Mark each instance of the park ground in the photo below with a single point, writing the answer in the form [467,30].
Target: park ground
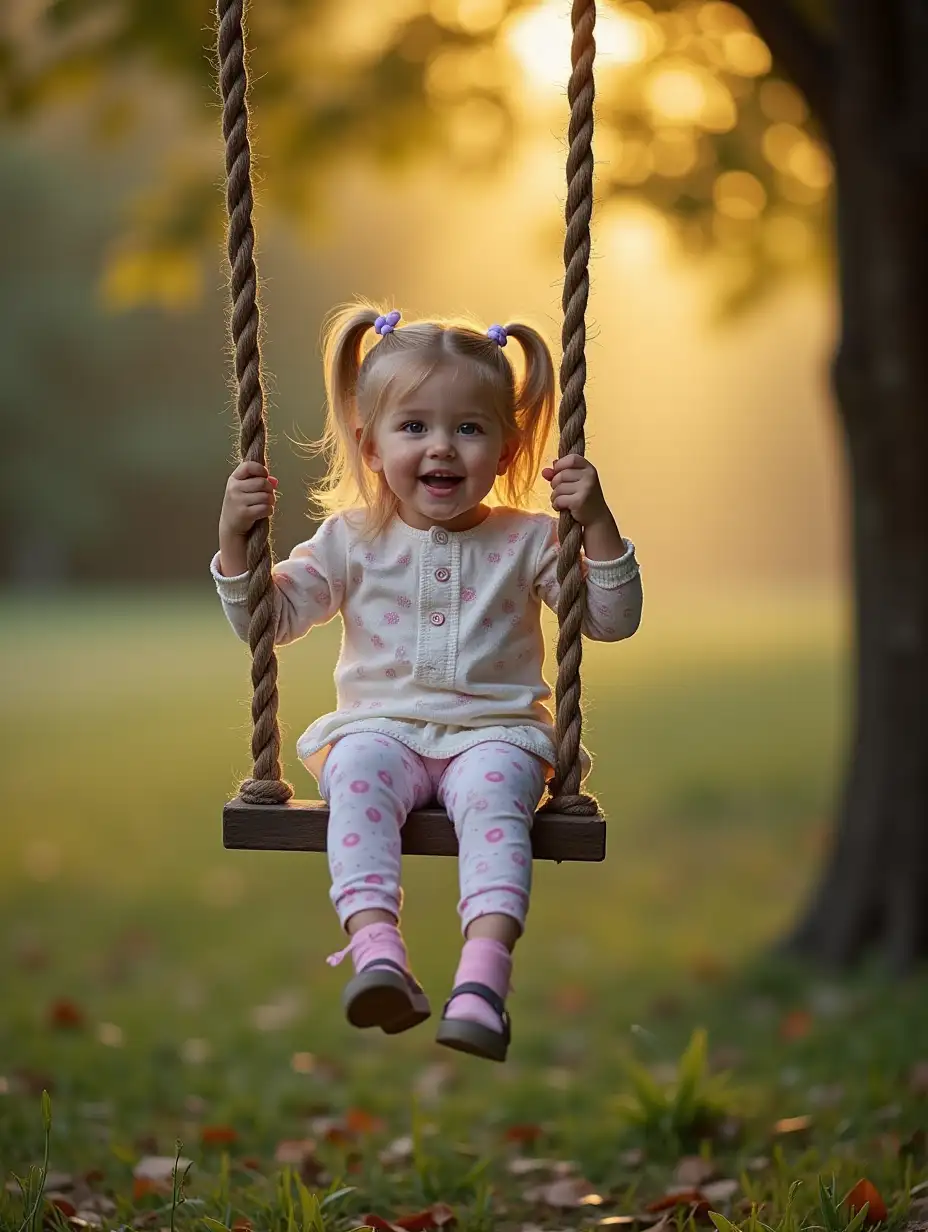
[173,998]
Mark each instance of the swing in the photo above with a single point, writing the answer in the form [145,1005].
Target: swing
[263,816]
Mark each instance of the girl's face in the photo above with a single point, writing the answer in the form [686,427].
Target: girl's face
[439,451]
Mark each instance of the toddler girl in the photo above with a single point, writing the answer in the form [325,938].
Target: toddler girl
[439,681]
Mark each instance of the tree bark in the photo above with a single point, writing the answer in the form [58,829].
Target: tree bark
[873,890]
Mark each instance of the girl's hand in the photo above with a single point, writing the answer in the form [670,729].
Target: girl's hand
[575,487]
[250,496]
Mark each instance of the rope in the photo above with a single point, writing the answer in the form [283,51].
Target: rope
[565,794]
[266,786]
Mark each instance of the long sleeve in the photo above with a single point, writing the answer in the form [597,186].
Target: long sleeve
[309,586]
[614,594]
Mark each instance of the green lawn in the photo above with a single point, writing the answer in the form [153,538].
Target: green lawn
[199,975]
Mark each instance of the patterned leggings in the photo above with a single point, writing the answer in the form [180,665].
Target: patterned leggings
[490,792]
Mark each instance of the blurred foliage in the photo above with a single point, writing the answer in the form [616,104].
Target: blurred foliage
[693,116]
[92,416]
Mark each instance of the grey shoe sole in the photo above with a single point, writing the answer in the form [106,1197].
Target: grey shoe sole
[384,999]
[472,1038]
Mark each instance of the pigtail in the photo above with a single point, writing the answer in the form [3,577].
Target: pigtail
[534,413]
[347,479]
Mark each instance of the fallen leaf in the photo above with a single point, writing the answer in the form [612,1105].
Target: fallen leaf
[159,1167]
[294,1150]
[565,1193]
[436,1216]
[399,1151]
[792,1125]
[65,1014]
[679,1197]
[693,1170]
[359,1121]
[61,1203]
[218,1135]
[918,1078]
[523,1165]
[721,1191]
[862,1193]
[379,1225]
[796,1025]
[86,1219]
[143,1185]
[571,998]
[302,1062]
[523,1134]
[242,1225]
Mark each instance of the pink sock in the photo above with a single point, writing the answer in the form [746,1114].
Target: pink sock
[379,940]
[483,961]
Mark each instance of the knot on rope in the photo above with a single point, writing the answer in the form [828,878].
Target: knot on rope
[265,791]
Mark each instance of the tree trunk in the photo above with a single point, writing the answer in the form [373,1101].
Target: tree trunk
[874,887]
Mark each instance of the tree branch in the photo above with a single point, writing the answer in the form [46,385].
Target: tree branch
[799,49]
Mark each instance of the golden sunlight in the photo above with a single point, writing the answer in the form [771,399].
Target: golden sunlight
[540,40]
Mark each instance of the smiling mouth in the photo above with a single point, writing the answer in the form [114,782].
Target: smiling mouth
[439,482]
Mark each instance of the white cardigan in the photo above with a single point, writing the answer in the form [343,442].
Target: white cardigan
[442,645]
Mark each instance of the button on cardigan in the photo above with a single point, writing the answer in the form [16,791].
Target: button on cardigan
[442,643]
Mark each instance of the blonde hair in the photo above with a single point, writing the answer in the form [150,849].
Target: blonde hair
[358,390]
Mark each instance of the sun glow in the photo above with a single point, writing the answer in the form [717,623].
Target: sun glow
[540,40]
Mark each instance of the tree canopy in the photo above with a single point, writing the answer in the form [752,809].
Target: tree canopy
[694,114]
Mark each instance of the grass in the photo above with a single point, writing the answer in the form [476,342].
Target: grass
[164,990]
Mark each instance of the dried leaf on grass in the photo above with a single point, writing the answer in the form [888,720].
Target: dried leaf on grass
[721,1191]
[65,1014]
[862,1193]
[524,1165]
[792,1125]
[399,1151]
[437,1216]
[796,1025]
[565,1193]
[693,1170]
[523,1134]
[695,1199]
[155,1173]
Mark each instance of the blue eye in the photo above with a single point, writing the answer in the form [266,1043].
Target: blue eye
[413,427]
[470,429]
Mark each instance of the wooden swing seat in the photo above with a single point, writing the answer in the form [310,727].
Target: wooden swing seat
[300,825]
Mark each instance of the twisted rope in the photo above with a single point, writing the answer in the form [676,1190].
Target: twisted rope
[266,786]
[565,794]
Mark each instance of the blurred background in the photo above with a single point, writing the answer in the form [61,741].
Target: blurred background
[412,152]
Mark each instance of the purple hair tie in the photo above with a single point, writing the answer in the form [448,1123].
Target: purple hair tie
[498,334]
[387,324]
